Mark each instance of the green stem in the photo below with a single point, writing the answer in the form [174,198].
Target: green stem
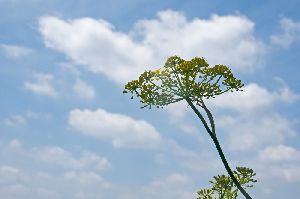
[221,154]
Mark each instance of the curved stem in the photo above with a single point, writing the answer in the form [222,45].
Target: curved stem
[221,154]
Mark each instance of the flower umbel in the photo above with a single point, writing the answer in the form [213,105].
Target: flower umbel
[180,79]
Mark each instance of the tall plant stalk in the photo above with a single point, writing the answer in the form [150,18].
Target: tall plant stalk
[190,81]
[213,136]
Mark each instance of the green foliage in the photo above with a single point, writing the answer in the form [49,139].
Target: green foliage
[180,79]
[223,186]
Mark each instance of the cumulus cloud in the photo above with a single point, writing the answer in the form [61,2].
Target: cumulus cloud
[121,56]
[121,130]
[290,33]
[279,153]
[253,98]
[51,172]
[15,51]
[42,85]
[84,90]
[61,157]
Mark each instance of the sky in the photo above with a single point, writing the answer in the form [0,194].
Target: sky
[68,131]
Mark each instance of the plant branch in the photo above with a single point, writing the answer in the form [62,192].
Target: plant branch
[221,154]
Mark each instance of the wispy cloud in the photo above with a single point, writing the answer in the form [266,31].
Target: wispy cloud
[290,33]
[61,157]
[15,120]
[15,51]
[67,175]
[42,85]
[279,153]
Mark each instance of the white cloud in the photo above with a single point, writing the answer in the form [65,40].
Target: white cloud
[122,57]
[68,67]
[42,85]
[277,162]
[175,185]
[86,178]
[198,161]
[83,90]
[121,130]
[14,144]
[189,128]
[177,111]
[59,156]
[179,150]
[94,43]
[290,33]
[248,132]
[279,153]
[51,172]
[36,115]
[221,39]
[6,170]
[253,98]
[291,173]
[15,120]
[15,51]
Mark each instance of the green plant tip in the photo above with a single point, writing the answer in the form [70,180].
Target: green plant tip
[180,79]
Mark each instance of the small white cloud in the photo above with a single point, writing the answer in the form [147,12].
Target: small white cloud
[36,115]
[290,33]
[14,144]
[15,120]
[243,101]
[290,172]
[252,132]
[61,157]
[177,111]
[179,150]
[8,169]
[285,171]
[86,179]
[83,90]
[51,172]
[279,153]
[189,128]
[15,51]
[175,185]
[68,67]
[42,85]
[121,130]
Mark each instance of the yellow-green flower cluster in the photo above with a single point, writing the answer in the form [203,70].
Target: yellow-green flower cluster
[180,79]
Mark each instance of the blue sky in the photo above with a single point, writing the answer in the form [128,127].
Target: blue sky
[68,131]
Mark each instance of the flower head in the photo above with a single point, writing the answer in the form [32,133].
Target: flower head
[180,79]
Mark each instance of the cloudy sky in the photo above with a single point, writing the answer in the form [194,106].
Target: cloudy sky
[68,131]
